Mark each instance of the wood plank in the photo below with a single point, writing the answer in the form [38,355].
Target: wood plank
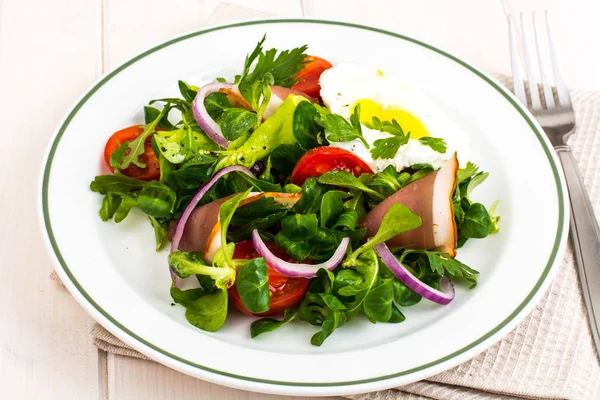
[134,379]
[49,54]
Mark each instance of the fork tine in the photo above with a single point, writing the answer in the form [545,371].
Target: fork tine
[546,85]
[518,87]
[531,79]
[561,87]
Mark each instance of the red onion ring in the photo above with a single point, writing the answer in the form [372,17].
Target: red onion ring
[298,270]
[442,296]
[204,120]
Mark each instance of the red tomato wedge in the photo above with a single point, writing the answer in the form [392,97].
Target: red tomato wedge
[324,159]
[151,172]
[308,78]
[285,291]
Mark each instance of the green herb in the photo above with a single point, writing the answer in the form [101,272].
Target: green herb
[285,157]
[188,92]
[306,131]
[442,264]
[366,264]
[436,144]
[388,147]
[338,128]
[312,193]
[236,122]
[332,321]
[185,264]
[160,233]
[398,219]
[128,153]
[115,183]
[378,303]
[208,312]
[216,104]
[117,205]
[495,219]
[331,206]
[346,180]
[269,324]
[253,286]
[225,215]
[151,113]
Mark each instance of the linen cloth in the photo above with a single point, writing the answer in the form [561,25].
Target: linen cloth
[550,355]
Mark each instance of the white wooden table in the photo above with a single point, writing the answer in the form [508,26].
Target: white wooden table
[51,51]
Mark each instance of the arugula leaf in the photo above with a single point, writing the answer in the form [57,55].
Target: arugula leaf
[184,264]
[306,131]
[188,92]
[253,286]
[225,215]
[346,180]
[339,129]
[151,113]
[128,153]
[208,312]
[115,183]
[285,157]
[269,324]
[398,219]
[378,303]
[442,264]
[160,232]
[436,144]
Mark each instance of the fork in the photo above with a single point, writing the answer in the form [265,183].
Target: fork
[558,121]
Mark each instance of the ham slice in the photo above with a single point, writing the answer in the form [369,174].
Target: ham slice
[278,95]
[431,199]
[202,232]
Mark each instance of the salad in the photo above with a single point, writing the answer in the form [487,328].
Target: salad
[299,190]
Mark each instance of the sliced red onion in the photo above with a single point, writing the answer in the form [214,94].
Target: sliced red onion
[204,120]
[298,270]
[442,296]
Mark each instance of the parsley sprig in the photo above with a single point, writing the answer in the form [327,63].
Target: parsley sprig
[265,68]
[339,129]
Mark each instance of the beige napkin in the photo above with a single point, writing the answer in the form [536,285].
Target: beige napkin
[550,355]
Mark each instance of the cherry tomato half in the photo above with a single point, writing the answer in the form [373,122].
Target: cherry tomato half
[308,78]
[324,159]
[285,291]
[151,172]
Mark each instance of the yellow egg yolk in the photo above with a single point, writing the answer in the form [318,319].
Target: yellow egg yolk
[408,122]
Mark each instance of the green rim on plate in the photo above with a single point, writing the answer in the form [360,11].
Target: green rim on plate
[548,151]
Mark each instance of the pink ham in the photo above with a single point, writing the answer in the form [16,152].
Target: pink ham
[278,95]
[202,231]
[431,199]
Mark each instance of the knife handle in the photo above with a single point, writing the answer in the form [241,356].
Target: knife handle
[585,237]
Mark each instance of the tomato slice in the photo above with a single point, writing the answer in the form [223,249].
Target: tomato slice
[308,78]
[285,291]
[151,172]
[327,158]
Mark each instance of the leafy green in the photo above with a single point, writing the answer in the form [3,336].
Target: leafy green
[331,207]
[237,121]
[151,113]
[157,199]
[186,297]
[285,157]
[269,324]
[260,208]
[128,153]
[476,222]
[226,212]
[378,303]
[253,286]
[436,144]
[185,264]
[442,264]
[216,104]
[188,92]
[398,219]
[117,205]
[306,131]
[312,193]
[208,312]
[495,219]
[332,321]
[346,180]
[366,264]
[338,128]
[388,147]
[160,232]
[115,183]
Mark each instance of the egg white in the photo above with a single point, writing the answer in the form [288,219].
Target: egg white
[343,85]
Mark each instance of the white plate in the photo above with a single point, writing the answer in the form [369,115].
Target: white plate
[116,276]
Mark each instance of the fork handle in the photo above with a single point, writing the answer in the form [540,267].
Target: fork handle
[585,237]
